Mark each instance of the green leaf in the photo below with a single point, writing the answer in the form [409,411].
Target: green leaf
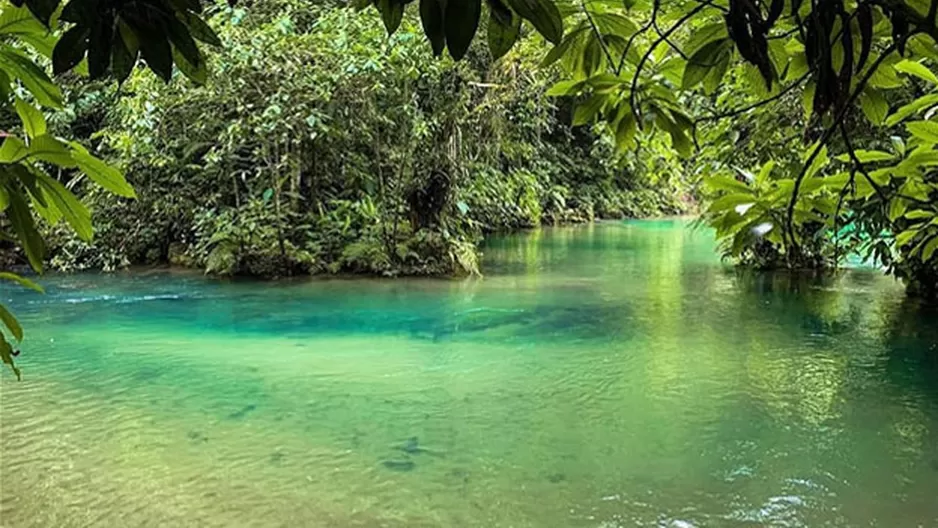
[99,47]
[431,16]
[75,213]
[927,131]
[124,51]
[625,131]
[568,42]
[33,122]
[198,28]
[392,11]
[703,36]
[543,15]
[929,249]
[47,148]
[21,220]
[729,201]
[157,51]
[897,208]
[715,76]
[43,9]
[819,162]
[11,323]
[922,103]
[725,183]
[503,30]
[874,105]
[19,21]
[867,156]
[6,354]
[197,74]
[905,237]
[586,110]
[917,69]
[885,77]
[700,63]
[918,214]
[565,88]
[13,150]
[33,78]
[22,281]
[101,173]
[460,21]
[807,99]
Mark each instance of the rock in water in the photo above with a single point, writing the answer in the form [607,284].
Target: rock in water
[412,446]
[399,465]
[237,415]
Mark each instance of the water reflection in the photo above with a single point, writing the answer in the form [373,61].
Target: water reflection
[601,375]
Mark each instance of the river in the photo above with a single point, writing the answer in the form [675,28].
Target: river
[598,376]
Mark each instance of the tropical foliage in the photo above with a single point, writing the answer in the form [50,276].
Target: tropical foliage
[851,173]
[310,142]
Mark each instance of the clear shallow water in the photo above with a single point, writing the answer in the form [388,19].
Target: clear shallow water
[599,376]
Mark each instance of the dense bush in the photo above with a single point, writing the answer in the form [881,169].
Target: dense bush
[321,145]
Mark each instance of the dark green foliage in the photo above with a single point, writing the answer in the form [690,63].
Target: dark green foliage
[381,160]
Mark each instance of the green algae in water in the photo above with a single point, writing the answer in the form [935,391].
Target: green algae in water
[610,375]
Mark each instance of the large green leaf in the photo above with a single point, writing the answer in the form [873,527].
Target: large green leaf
[587,110]
[197,74]
[503,30]
[19,21]
[21,220]
[13,150]
[922,103]
[460,21]
[47,148]
[927,131]
[730,201]
[198,28]
[22,281]
[392,11]
[11,323]
[874,105]
[917,69]
[431,16]
[929,249]
[6,355]
[75,213]
[70,49]
[700,63]
[543,15]
[18,65]
[101,173]
[33,122]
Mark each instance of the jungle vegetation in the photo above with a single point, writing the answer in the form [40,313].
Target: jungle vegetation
[281,137]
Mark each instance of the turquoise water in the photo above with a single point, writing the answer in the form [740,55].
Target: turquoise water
[598,376]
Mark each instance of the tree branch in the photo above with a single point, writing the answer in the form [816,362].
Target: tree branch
[638,70]
[825,137]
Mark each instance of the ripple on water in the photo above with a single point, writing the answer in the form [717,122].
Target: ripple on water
[610,376]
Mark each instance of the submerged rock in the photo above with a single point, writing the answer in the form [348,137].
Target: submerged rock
[237,415]
[412,447]
[400,465]
[196,436]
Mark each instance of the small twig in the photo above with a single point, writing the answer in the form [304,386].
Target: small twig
[668,42]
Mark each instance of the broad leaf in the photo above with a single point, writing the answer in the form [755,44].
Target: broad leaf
[33,122]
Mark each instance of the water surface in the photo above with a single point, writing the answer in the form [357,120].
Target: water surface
[598,376]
